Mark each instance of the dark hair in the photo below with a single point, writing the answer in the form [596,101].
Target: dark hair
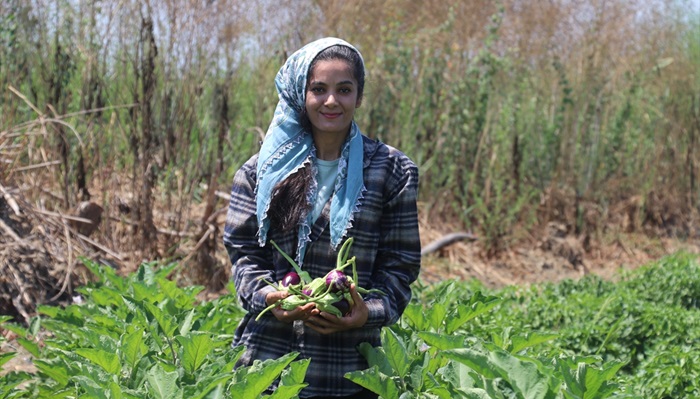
[337,52]
[289,203]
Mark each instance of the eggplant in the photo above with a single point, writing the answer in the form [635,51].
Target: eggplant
[343,305]
[337,281]
[291,278]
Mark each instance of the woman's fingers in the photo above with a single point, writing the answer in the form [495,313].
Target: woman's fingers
[327,323]
[303,312]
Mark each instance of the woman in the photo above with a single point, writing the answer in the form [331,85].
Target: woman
[316,182]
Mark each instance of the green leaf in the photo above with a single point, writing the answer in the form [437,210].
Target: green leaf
[165,321]
[530,339]
[107,360]
[132,346]
[436,315]
[11,380]
[54,369]
[19,330]
[414,313]
[115,391]
[442,341]
[106,274]
[195,349]
[587,382]
[478,305]
[396,352]
[92,388]
[5,357]
[209,388]
[163,384]
[375,381]
[186,325]
[375,357]
[295,373]
[251,381]
[524,377]
[31,346]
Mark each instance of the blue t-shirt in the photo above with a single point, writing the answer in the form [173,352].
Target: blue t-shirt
[327,172]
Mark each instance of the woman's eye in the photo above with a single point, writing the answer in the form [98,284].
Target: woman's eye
[317,89]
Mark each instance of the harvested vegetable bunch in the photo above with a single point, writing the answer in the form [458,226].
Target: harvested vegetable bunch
[330,293]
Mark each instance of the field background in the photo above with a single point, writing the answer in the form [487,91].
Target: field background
[563,135]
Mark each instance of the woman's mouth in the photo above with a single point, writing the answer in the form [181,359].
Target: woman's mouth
[331,115]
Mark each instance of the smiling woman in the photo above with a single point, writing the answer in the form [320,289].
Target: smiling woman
[318,182]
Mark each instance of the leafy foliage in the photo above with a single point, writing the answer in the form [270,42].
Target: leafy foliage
[144,337]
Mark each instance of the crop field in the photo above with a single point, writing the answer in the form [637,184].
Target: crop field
[141,336]
[563,136]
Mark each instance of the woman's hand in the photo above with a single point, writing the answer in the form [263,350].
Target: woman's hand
[327,323]
[303,312]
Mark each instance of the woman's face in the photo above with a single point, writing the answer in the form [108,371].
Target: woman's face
[331,98]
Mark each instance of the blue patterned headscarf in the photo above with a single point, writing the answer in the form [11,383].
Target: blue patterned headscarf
[287,147]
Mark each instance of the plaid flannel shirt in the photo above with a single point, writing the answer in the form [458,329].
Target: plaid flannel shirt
[387,250]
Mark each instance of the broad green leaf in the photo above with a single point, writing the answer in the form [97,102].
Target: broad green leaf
[19,330]
[115,391]
[4,318]
[292,380]
[54,369]
[286,391]
[457,375]
[375,357]
[419,371]
[375,381]
[195,349]
[478,305]
[164,271]
[132,347]
[186,324]
[10,380]
[585,381]
[165,321]
[443,341]
[396,353]
[414,313]
[5,357]
[51,311]
[219,392]
[524,377]
[163,384]
[109,361]
[106,274]
[92,388]
[210,387]
[147,293]
[295,373]
[145,274]
[529,340]
[436,315]
[251,381]
[31,346]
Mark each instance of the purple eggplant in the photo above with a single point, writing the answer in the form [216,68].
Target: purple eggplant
[290,278]
[343,305]
[337,281]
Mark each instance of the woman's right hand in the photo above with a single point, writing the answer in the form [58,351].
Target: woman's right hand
[288,316]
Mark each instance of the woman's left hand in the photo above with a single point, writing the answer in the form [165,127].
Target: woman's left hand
[327,323]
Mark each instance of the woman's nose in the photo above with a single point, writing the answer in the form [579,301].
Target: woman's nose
[330,100]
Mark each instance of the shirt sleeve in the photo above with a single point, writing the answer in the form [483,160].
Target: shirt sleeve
[251,263]
[398,257]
